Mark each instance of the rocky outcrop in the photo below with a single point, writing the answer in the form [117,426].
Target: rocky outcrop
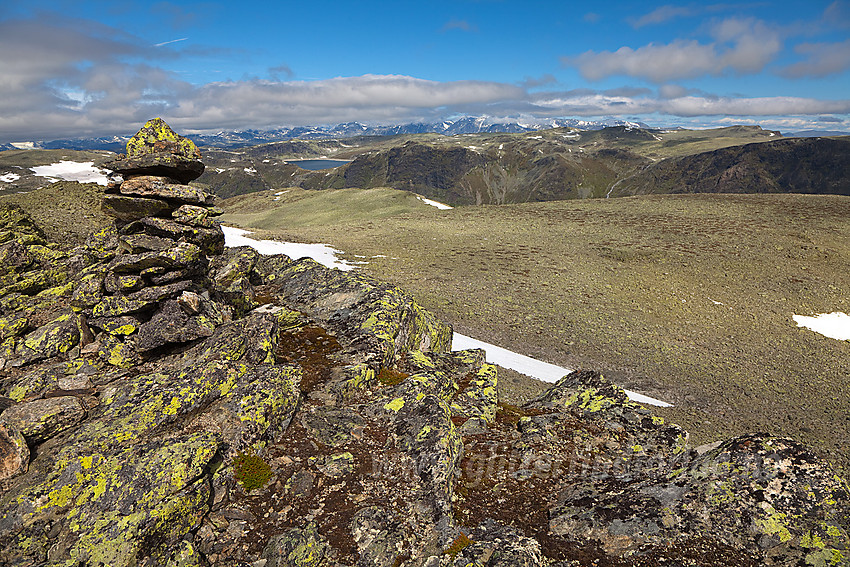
[167,403]
[795,165]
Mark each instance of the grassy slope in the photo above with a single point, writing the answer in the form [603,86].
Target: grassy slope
[68,212]
[687,298]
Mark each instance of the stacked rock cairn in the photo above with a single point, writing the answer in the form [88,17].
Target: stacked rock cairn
[155,290]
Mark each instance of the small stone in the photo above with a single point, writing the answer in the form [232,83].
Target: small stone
[117,305]
[195,216]
[211,240]
[14,452]
[122,325]
[158,293]
[190,302]
[170,324]
[75,383]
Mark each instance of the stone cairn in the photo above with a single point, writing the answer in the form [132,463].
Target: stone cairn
[155,290]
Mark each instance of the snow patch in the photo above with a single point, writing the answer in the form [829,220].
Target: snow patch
[441,206]
[9,177]
[322,253]
[532,367]
[834,325]
[249,170]
[84,172]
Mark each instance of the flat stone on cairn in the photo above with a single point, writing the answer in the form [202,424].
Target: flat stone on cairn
[156,149]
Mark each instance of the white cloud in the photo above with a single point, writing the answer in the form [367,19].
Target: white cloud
[822,59]
[663,14]
[740,46]
[72,78]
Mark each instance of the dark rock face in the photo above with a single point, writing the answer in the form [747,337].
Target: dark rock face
[137,373]
[797,165]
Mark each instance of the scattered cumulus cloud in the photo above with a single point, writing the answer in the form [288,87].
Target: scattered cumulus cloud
[67,78]
[838,14]
[664,14]
[822,59]
[461,25]
[740,46]
[283,68]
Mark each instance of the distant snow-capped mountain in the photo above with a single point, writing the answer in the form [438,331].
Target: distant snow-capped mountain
[239,138]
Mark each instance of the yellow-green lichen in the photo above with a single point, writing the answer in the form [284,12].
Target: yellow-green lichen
[775,523]
[394,405]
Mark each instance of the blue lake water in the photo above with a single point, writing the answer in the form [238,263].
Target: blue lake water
[317,164]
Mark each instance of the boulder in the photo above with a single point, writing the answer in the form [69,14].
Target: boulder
[171,324]
[40,420]
[156,137]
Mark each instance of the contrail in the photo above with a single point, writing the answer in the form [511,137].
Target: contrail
[172,41]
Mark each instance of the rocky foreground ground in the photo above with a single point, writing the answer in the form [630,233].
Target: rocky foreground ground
[167,401]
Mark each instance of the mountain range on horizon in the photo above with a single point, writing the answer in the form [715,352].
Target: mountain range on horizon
[460,126]
[252,137]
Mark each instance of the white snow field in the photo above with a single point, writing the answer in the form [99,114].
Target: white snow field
[322,253]
[834,325]
[439,205]
[84,172]
[326,256]
[533,367]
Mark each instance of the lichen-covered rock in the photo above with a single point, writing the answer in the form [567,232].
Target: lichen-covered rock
[210,240]
[196,216]
[162,188]
[159,151]
[163,164]
[298,548]
[157,137]
[171,324]
[56,337]
[40,420]
[132,208]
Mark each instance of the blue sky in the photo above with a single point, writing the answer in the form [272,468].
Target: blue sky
[95,68]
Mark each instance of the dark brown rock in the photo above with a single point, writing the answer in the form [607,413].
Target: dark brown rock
[211,240]
[133,208]
[177,167]
[171,324]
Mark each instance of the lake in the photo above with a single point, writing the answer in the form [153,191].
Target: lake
[317,164]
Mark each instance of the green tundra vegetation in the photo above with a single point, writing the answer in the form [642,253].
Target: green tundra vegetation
[687,298]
